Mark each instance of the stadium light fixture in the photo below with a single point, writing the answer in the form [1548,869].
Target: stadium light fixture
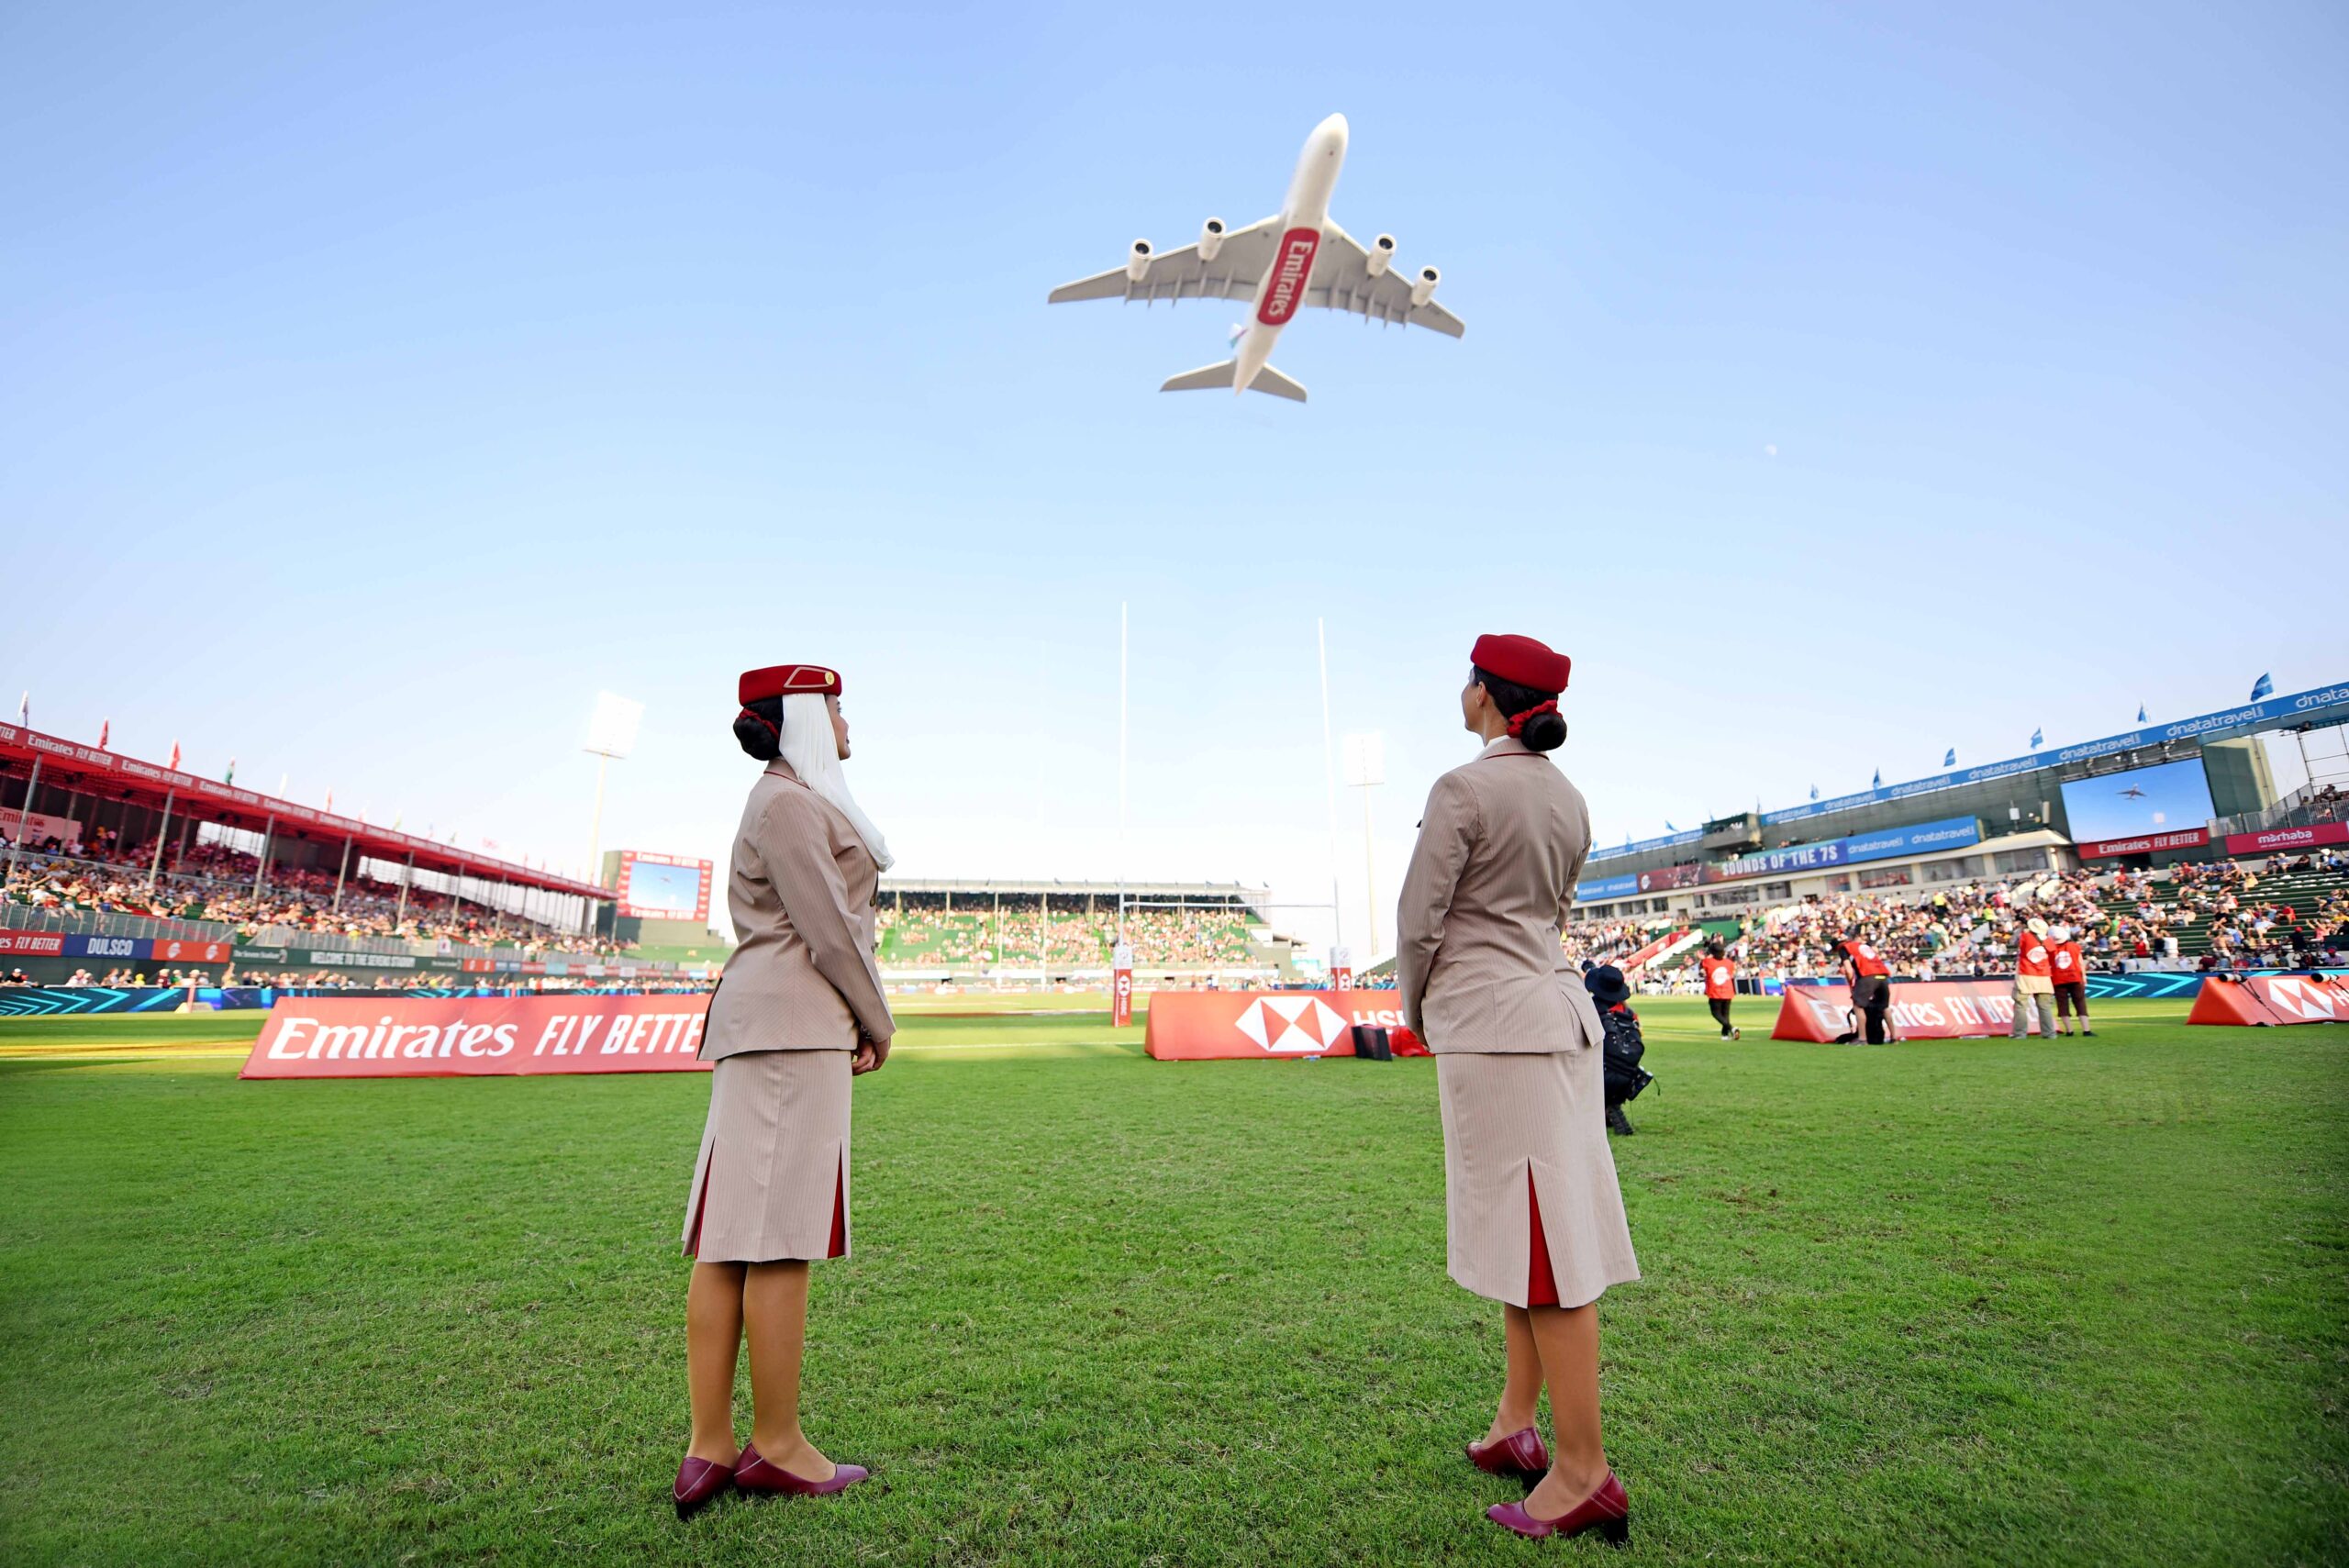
[611,734]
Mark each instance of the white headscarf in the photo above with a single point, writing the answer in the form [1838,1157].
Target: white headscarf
[808,747]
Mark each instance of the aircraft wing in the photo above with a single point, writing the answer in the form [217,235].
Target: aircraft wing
[1240,264]
[1341,280]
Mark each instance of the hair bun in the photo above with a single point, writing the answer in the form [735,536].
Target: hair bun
[1544,732]
[760,740]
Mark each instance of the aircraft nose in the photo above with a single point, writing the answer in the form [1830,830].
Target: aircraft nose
[1332,134]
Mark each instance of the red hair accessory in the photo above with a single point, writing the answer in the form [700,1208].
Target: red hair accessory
[1516,721]
[771,726]
[1522,661]
[787,681]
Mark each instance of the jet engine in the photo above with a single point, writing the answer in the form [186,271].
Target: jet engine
[1424,290]
[1382,251]
[1138,260]
[1211,239]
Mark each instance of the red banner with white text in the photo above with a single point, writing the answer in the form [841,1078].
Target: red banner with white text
[1922,1009]
[2280,839]
[1257,1025]
[443,1037]
[2144,844]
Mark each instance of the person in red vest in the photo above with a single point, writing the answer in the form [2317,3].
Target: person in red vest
[2035,980]
[1721,983]
[1870,979]
[2071,977]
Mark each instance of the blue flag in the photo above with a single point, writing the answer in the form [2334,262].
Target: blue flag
[2037,740]
[2261,687]
[1950,761]
[2141,712]
[1877,782]
[1668,827]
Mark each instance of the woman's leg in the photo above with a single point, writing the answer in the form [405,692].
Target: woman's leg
[1522,1388]
[775,1314]
[713,1345]
[1567,1338]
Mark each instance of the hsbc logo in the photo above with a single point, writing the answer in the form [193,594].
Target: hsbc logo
[1289,276]
[2311,1000]
[1299,1025]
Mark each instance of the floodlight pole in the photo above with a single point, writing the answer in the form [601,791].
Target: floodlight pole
[1121,771]
[24,815]
[1370,879]
[1330,786]
[596,824]
[155,866]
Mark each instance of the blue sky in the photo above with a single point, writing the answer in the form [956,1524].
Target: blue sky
[1841,384]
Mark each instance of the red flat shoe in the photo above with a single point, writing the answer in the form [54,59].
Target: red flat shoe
[1519,1454]
[755,1475]
[699,1480]
[1606,1510]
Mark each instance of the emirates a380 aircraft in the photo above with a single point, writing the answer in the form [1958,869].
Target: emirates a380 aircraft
[1296,258]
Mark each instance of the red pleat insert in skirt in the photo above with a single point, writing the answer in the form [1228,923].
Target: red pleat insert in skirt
[1541,1284]
[701,1202]
[840,1212]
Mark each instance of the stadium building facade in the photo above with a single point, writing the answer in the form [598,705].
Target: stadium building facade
[2004,818]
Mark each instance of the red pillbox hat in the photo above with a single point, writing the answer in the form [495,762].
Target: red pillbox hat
[791,680]
[1522,660]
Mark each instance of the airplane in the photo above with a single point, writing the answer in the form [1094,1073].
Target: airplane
[2131,792]
[1296,257]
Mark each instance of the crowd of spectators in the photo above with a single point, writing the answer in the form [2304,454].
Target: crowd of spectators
[2119,920]
[1191,937]
[214,882]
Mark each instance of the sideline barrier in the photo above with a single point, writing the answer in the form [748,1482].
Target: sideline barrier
[2267,999]
[322,1037]
[1258,1026]
[1922,1009]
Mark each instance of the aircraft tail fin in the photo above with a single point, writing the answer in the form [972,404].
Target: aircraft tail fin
[1220,376]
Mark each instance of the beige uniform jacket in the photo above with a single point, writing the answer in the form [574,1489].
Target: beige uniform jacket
[1491,879]
[801,888]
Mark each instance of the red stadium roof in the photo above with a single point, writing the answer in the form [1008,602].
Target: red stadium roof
[118,777]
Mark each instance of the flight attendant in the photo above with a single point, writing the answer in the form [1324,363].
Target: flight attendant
[1720,986]
[1533,1211]
[798,1012]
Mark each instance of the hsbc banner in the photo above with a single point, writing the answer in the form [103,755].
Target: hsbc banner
[1922,1009]
[2267,999]
[333,1036]
[1256,1026]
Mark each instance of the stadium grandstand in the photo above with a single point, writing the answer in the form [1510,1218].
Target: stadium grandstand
[2166,846]
[120,871]
[1060,932]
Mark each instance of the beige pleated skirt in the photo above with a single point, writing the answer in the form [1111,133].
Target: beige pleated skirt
[771,1181]
[1533,1216]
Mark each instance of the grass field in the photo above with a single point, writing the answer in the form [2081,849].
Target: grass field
[1939,1303]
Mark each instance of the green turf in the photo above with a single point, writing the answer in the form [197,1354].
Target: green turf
[1936,1303]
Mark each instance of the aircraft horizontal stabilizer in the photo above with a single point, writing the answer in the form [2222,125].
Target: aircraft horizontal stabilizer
[1220,376]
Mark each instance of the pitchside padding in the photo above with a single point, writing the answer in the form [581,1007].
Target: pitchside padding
[330,1037]
[1922,1009]
[1258,1026]
[2269,999]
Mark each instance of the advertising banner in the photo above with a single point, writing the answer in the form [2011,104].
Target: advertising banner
[1257,1025]
[333,1036]
[1121,987]
[131,950]
[1922,1009]
[2144,844]
[2259,1000]
[1593,890]
[2280,839]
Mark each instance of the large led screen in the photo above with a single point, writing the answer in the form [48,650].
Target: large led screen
[2168,798]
